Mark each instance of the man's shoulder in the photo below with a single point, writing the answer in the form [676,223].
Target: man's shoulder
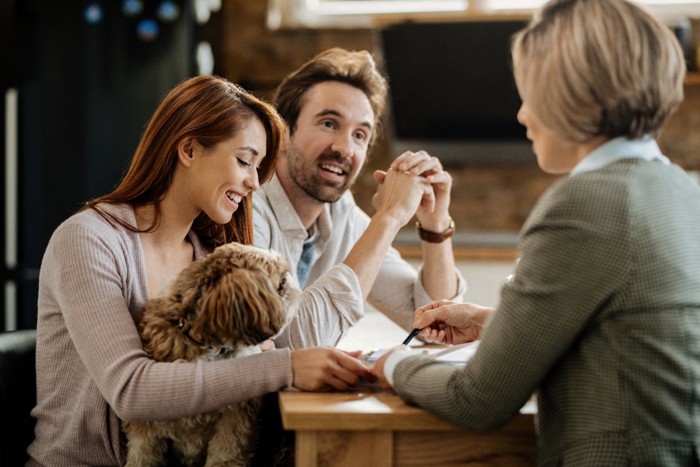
[264,220]
[345,213]
[261,201]
[270,194]
[262,193]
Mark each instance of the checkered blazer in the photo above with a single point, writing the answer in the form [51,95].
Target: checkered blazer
[601,319]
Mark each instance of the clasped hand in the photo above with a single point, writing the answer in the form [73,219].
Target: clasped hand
[415,184]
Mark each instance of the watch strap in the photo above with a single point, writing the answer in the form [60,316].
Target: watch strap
[435,237]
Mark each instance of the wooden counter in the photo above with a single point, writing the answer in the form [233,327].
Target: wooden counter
[376,428]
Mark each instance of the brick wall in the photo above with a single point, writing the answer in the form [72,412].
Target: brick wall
[485,197]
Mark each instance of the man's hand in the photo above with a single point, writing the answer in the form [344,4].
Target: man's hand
[433,211]
[399,194]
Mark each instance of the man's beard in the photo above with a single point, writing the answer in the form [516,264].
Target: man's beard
[309,180]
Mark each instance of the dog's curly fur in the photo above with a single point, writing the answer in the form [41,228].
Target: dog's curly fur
[220,307]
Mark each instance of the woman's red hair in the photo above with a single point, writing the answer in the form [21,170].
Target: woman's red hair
[210,110]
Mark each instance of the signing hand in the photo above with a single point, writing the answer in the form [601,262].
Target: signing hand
[448,322]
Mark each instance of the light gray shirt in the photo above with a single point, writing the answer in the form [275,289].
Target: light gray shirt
[332,301]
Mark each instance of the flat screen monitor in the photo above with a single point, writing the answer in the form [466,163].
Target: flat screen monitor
[452,90]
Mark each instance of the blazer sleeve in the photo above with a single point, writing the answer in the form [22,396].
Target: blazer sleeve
[574,257]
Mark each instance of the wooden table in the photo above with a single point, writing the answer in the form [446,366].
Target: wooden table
[377,429]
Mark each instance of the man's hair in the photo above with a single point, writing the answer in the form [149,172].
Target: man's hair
[590,68]
[357,69]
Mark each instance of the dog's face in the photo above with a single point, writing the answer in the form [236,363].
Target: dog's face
[238,295]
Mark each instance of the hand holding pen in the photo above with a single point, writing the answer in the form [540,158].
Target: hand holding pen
[447,322]
[411,335]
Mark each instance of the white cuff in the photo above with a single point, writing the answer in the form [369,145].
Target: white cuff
[394,358]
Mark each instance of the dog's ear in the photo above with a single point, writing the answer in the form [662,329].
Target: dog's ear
[243,305]
[160,331]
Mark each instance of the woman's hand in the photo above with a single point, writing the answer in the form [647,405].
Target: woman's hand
[267,345]
[448,322]
[325,368]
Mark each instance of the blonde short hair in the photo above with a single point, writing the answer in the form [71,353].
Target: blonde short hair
[589,68]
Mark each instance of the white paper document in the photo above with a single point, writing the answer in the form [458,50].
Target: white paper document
[456,354]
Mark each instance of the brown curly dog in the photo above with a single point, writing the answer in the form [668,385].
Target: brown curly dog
[220,307]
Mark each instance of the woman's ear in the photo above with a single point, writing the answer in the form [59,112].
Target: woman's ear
[185,152]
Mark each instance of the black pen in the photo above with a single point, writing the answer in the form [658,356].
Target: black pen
[413,334]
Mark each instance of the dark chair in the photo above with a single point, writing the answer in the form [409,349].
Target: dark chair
[17,395]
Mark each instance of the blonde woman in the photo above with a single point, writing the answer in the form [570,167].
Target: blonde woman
[602,316]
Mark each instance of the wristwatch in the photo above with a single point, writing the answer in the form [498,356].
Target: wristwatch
[435,237]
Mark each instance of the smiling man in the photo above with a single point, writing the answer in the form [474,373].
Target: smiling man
[341,256]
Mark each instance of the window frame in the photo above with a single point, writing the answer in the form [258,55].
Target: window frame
[282,14]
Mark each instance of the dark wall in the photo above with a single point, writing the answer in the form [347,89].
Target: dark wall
[86,92]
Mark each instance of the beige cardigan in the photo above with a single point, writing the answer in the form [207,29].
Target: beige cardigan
[91,369]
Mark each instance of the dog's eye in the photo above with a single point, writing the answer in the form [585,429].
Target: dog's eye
[280,288]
